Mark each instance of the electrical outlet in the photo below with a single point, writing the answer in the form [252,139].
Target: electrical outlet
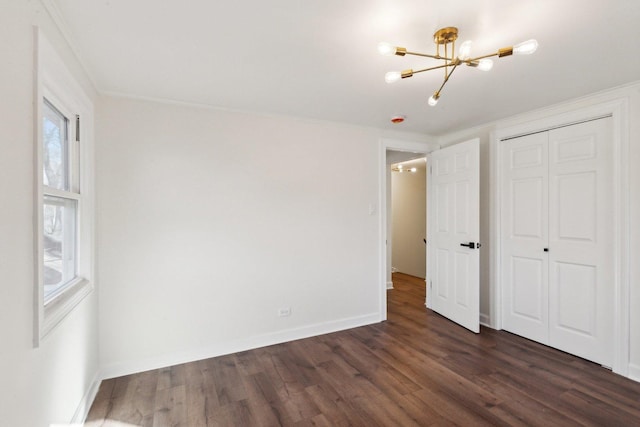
[284,312]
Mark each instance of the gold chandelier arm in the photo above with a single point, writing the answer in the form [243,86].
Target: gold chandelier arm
[467,61]
[434,68]
[500,53]
[426,55]
[446,79]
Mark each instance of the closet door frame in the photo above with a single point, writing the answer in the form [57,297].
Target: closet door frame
[550,119]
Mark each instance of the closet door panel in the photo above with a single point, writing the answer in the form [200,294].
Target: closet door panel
[524,219]
[580,240]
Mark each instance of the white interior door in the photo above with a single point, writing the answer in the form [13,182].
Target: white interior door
[580,253]
[556,244]
[524,215]
[453,230]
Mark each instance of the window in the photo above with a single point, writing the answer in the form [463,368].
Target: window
[60,201]
[64,204]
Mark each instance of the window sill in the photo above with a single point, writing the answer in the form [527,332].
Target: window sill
[58,308]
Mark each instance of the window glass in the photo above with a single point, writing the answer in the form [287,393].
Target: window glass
[59,243]
[55,153]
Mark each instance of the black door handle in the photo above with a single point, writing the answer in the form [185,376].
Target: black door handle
[471,245]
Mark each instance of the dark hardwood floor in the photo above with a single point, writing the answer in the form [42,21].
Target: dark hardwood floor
[417,368]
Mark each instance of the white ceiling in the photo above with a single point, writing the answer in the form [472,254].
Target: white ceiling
[318,59]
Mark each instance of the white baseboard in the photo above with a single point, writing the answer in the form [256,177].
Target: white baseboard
[634,372]
[87,400]
[485,320]
[133,366]
[389,285]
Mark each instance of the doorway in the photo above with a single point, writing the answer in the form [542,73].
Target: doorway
[392,152]
[394,158]
[408,200]
[453,205]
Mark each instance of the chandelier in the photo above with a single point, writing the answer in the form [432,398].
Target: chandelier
[400,168]
[446,38]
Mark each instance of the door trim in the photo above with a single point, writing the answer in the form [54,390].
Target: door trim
[618,109]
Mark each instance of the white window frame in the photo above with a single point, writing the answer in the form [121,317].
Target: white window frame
[57,85]
[72,193]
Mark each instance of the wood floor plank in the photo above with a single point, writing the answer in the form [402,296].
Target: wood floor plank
[531,410]
[450,409]
[417,368]
[99,413]
[593,411]
[380,410]
[333,406]
[225,380]
[197,391]
[347,381]
[106,390]
[299,407]
[170,409]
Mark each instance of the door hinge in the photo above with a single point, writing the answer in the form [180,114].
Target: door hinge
[77,128]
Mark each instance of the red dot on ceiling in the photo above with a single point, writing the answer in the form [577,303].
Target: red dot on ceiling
[397,119]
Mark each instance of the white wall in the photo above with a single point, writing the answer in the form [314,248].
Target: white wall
[409,215]
[632,95]
[210,221]
[44,385]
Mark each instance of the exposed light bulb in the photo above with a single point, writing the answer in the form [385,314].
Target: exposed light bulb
[386,49]
[485,64]
[433,100]
[399,166]
[465,50]
[413,169]
[526,48]
[392,76]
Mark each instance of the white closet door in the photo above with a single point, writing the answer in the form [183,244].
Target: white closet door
[557,238]
[524,216]
[580,240]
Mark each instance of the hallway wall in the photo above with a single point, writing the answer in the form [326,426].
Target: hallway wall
[408,195]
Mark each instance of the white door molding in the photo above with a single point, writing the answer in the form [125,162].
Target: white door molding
[616,107]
